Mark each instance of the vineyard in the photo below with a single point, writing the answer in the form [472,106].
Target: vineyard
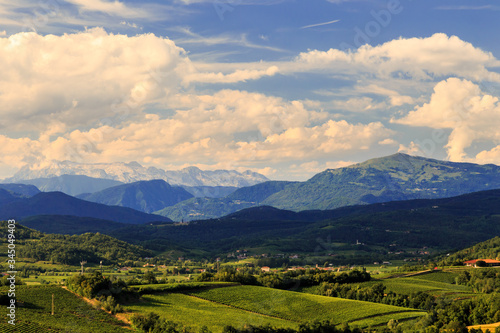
[194,313]
[240,305]
[72,314]
[300,308]
[436,283]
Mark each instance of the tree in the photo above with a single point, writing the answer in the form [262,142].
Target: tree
[481,263]
[150,277]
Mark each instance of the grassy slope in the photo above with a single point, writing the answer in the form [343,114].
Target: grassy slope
[72,314]
[240,305]
[194,312]
[297,307]
[436,283]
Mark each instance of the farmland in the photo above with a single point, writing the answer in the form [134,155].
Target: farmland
[71,314]
[240,305]
[194,312]
[436,283]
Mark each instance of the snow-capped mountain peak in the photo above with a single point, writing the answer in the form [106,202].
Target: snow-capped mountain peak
[133,171]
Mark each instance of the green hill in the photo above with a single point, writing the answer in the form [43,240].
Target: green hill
[66,249]
[489,249]
[71,313]
[206,208]
[67,224]
[390,178]
[446,224]
[250,305]
[395,177]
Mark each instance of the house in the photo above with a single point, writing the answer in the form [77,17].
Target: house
[488,262]
[265,268]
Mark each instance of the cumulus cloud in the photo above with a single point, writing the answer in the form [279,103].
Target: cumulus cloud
[231,128]
[460,105]
[81,78]
[419,58]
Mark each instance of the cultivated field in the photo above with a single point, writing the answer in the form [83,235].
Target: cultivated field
[240,305]
[71,313]
[436,283]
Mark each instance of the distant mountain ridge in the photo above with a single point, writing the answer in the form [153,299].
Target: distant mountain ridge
[133,171]
[390,178]
[146,196]
[71,184]
[395,177]
[205,208]
[58,203]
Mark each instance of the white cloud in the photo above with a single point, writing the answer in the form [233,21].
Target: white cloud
[109,7]
[419,58]
[460,105]
[357,104]
[235,129]
[81,78]
[314,167]
[222,39]
[237,76]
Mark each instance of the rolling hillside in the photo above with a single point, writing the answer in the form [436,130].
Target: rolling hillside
[446,224]
[71,249]
[240,306]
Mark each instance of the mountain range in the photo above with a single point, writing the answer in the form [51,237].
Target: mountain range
[395,177]
[58,203]
[146,196]
[391,178]
[442,224]
[133,171]
[395,201]
[71,184]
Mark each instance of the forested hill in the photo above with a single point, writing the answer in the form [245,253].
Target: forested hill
[66,249]
[489,249]
[395,177]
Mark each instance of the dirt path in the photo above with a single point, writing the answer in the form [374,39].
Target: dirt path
[95,303]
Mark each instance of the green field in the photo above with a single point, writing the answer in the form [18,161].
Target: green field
[194,312]
[240,305]
[299,307]
[436,283]
[71,314]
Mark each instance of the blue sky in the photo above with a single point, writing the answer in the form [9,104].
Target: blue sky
[286,88]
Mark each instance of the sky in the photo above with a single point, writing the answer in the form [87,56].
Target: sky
[287,88]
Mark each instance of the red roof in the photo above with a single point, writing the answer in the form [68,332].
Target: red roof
[488,261]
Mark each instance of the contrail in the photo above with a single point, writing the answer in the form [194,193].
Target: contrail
[319,24]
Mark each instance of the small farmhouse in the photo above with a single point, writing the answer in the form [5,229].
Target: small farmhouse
[487,263]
